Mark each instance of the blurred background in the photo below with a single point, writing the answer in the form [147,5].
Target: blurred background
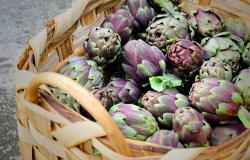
[19,21]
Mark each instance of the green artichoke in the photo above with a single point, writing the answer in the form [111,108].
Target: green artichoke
[163,105]
[191,127]
[84,72]
[103,45]
[134,122]
[165,29]
[232,58]
[242,82]
[218,100]
[236,27]
[224,133]
[165,138]
[118,90]
[225,47]
[206,21]
[246,55]
[215,68]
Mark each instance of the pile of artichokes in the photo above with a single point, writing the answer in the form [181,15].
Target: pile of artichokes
[166,77]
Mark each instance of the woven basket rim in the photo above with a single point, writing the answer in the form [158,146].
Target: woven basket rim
[55,35]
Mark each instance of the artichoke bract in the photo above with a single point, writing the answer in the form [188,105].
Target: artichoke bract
[163,105]
[206,21]
[218,100]
[121,22]
[225,47]
[215,68]
[142,13]
[165,29]
[224,133]
[118,90]
[242,82]
[142,61]
[191,127]
[185,57]
[103,45]
[246,55]
[133,121]
[237,28]
[165,138]
[167,6]
[84,72]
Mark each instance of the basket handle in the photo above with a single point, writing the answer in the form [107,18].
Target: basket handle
[87,100]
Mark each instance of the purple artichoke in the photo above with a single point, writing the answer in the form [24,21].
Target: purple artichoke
[165,29]
[236,27]
[142,61]
[246,55]
[103,45]
[163,105]
[134,122]
[142,13]
[121,22]
[215,68]
[191,127]
[165,138]
[242,82]
[118,90]
[224,133]
[185,57]
[218,100]
[206,21]
[84,72]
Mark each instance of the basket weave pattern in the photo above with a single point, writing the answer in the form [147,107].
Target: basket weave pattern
[49,130]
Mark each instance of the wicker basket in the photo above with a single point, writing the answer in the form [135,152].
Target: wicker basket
[48,130]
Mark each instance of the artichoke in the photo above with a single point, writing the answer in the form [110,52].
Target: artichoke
[224,46]
[206,21]
[185,57]
[165,138]
[242,82]
[165,29]
[134,122]
[237,28]
[142,61]
[224,133]
[103,45]
[121,22]
[84,72]
[191,127]
[218,100]
[232,58]
[246,55]
[118,90]
[142,13]
[163,105]
[215,68]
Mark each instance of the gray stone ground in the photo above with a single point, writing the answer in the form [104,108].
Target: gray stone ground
[19,21]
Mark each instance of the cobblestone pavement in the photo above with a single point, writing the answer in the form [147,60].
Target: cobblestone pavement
[19,21]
